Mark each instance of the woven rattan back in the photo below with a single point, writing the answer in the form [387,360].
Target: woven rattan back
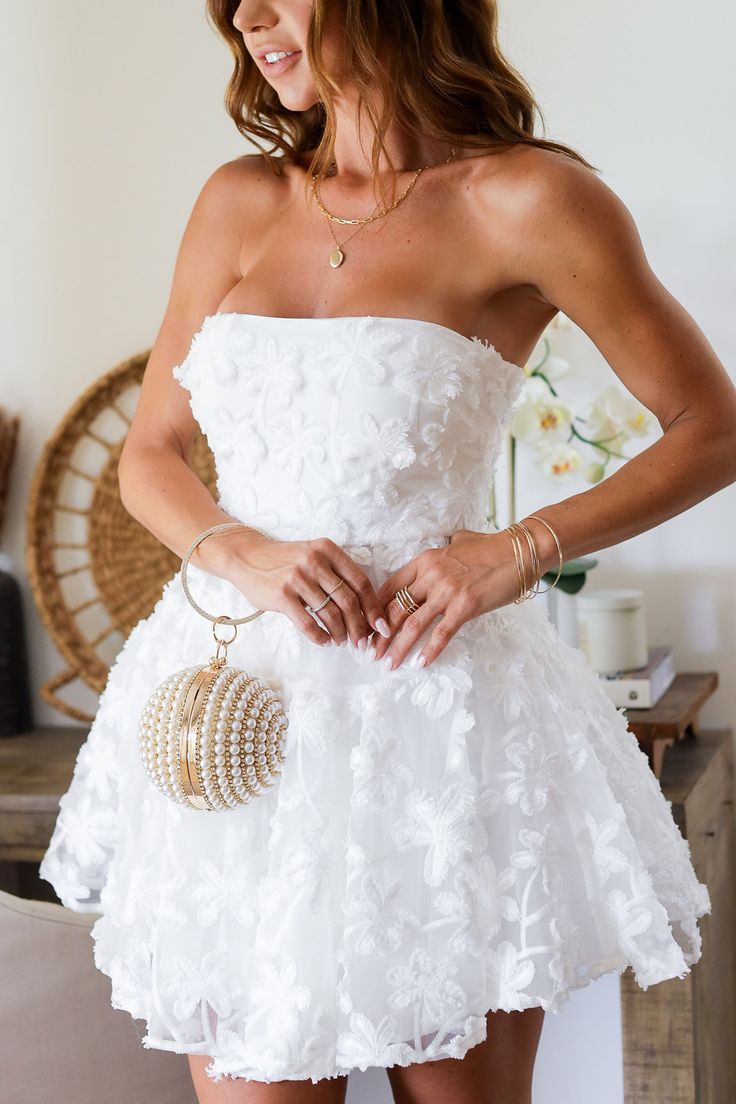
[94,570]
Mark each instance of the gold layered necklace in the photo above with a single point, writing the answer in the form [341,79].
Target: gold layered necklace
[337,256]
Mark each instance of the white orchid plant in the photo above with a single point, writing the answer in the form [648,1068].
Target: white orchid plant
[564,442]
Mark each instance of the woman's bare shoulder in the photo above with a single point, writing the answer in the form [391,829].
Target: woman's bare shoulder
[546,198]
[528,174]
[243,184]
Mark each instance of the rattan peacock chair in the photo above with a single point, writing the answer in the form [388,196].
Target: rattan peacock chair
[94,570]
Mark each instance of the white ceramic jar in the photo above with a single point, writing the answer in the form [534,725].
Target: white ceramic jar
[612,629]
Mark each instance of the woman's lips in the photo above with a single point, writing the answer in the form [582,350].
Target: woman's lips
[274,68]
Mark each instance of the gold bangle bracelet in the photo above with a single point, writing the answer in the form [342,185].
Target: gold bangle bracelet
[517,556]
[519,564]
[536,517]
[527,592]
[524,589]
[533,556]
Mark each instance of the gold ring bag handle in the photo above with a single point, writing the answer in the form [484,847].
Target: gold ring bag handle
[211,736]
[185,563]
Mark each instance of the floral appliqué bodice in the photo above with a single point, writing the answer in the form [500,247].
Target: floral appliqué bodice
[370,430]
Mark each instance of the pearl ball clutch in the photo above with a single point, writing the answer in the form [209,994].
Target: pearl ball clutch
[212,736]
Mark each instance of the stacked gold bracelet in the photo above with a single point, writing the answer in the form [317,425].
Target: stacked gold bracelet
[526,590]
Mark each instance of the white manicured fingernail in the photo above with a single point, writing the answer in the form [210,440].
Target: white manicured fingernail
[371,652]
[421,660]
[382,626]
[362,643]
[388,662]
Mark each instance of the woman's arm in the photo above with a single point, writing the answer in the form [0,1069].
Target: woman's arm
[582,252]
[158,487]
[576,246]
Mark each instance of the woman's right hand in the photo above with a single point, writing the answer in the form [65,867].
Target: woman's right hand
[288,575]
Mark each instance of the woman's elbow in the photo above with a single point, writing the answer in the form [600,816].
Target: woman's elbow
[126,479]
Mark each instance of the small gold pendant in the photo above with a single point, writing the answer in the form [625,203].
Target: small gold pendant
[336,258]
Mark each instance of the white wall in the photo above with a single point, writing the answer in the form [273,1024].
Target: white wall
[111,119]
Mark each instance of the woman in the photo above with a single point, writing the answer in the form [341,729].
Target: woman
[467,831]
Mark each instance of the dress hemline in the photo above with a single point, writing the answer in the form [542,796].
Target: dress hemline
[473,1020]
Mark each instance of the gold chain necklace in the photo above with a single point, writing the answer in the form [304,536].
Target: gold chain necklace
[337,256]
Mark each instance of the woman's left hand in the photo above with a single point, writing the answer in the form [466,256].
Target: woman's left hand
[473,574]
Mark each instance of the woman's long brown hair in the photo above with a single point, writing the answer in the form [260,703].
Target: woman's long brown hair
[440,70]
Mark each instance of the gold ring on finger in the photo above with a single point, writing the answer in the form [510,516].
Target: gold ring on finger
[325,600]
[405,600]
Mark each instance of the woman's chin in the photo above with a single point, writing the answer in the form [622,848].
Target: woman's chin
[295,98]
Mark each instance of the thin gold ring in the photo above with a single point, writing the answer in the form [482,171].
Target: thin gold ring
[316,609]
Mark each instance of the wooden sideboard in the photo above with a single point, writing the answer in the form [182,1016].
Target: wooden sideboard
[679,1035]
[35,770]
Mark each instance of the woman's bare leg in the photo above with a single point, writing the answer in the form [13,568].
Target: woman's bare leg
[496,1071]
[239,1090]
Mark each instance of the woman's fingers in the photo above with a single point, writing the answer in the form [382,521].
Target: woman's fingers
[408,576]
[312,585]
[449,587]
[357,598]
[345,611]
[445,601]
[396,616]
[289,575]
[294,608]
[453,618]
[410,628]
[326,569]
[319,572]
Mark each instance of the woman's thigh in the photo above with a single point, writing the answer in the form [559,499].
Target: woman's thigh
[497,1071]
[239,1090]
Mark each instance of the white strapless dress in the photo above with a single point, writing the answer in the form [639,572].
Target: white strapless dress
[482,834]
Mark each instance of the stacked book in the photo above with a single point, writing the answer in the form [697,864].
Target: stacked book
[642,687]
